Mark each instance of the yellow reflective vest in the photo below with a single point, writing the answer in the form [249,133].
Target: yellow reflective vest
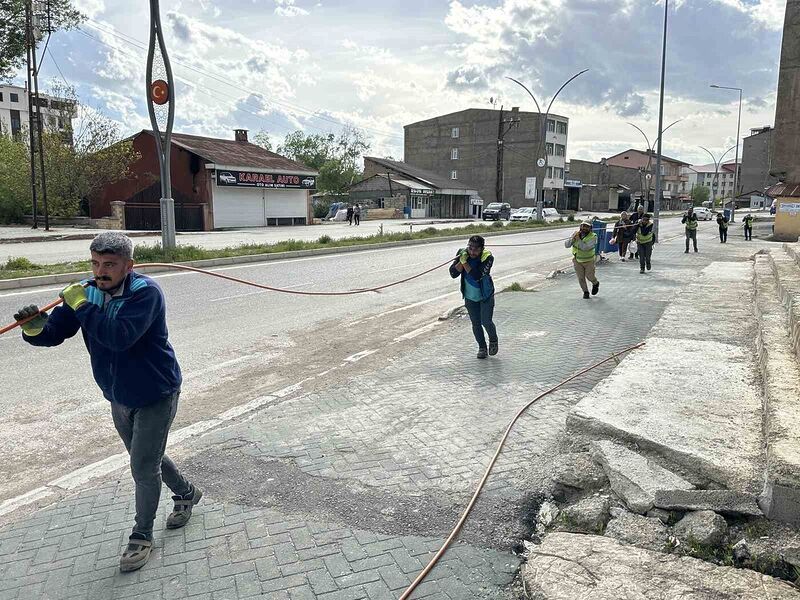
[583,248]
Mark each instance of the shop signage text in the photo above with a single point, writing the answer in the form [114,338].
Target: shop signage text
[265,180]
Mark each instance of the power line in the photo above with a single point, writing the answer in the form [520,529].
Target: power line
[53,58]
[312,113]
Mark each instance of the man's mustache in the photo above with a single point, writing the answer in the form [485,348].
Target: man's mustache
[104,278]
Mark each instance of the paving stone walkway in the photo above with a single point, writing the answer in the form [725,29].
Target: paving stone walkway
[344,490]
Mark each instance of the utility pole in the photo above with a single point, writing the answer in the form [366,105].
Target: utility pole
[29,43]
[657,204]
[502,130]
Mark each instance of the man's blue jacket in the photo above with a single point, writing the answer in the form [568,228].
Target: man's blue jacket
[132,359]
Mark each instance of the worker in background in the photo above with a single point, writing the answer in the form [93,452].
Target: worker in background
[122,317]
[635,218]
[644,239]
[623,234]
[474,265]
[690,220]
[722,223]
[748,227]
[583,243]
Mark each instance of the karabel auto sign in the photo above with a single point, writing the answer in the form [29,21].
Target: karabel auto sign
[265,180]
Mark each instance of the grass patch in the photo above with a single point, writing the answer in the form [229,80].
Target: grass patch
[515,287]
[184,253]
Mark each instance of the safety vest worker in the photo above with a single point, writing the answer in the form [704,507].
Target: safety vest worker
[583,243]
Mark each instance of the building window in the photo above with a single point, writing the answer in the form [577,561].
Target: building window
[562,127]
[548,147]
[1,96]
[454,153]
[549,172]
[558,173]
[16,123]
[551,126]
[560,150]
[454,174]
[455,132]
[13,97]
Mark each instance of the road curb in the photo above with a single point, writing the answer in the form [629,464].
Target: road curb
[41,280]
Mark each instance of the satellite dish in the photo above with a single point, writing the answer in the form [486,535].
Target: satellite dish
[541,162]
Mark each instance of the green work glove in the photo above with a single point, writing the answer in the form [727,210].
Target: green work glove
[74,296]
[35,325]
[463,256]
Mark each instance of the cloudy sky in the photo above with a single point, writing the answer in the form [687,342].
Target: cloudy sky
[283,65]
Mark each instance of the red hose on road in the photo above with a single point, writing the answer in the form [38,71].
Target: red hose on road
[482,482]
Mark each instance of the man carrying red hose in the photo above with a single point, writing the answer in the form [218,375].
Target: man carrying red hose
[122,317]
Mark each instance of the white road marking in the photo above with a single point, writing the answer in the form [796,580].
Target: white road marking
[219,366]
[417,332]
[354,358]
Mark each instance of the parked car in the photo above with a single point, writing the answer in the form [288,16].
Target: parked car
[703,214]
[550,214]
[526,213]
[496,211]
[227,178]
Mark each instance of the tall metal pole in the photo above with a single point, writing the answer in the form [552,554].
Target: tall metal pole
[498,188]
[657,205]
[159,93]
[736,160]
[31,124]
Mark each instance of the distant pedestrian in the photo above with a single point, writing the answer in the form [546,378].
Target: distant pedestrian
[350,212]
[357,214]
[474,265]
[748,227]
[623,234]
[644,240]
[722,223]
[583,243]
[121,315]
[635,218]
[690,220]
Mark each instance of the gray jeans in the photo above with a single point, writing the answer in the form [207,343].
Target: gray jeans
[144,432]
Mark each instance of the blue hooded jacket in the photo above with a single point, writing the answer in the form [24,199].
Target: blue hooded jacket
[480,275]
[132,359]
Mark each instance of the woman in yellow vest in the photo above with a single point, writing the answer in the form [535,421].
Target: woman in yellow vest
[722,223]
[644,239]
[583,243]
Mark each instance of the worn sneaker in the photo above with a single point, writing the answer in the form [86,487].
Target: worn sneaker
[648,266]
[595,288]
[687,251]
[136,555]
[586,295]
[493,348]
[182,511]
[482,353]
[641,271]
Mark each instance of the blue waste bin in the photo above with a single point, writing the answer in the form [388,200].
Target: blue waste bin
[727,213]
[603,237]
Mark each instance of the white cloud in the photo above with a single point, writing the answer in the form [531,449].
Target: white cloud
[287,8]
[90,8]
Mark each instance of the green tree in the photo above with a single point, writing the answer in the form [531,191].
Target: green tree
[62,15]
[336,158]
[700,194]
[262,139]
[15,189]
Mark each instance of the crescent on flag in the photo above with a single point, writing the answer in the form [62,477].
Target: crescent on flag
[159,92]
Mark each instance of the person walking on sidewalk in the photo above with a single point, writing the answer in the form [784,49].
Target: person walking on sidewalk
[690,220]
[644,239]
[474,265]
[748,227]
[722,222]
[583,243]
[121,315]
[635,218]
[357,214]
[350,212]
[623,234]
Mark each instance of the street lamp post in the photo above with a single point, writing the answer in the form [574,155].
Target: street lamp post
[735,160]
[657,204]
[717,163]
[542,157]
[647,169]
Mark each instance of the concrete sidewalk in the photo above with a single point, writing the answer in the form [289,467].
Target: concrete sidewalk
[345,485]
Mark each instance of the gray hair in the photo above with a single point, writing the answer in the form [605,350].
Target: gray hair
[113,242]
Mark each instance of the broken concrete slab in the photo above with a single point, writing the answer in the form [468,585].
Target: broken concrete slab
[726,502]
[644,532]
[577,470]
[589,515]
[677,408]
[569,566]
[634,478]
[703,526]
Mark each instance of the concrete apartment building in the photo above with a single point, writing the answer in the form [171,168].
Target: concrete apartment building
[645,161]
[598,186]
[464,147]
[720,183]
[14,114]
[757,160]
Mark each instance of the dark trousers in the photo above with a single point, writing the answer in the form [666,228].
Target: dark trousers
[144,432]
[481,313]
[645,252]
[357,219]
[748,233]
[691,234]
[723,234]
[623,247]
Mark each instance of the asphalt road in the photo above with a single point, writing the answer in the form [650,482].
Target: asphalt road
[236,343]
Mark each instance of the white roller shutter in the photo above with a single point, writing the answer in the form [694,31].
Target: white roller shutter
[238,207]
[286,203]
